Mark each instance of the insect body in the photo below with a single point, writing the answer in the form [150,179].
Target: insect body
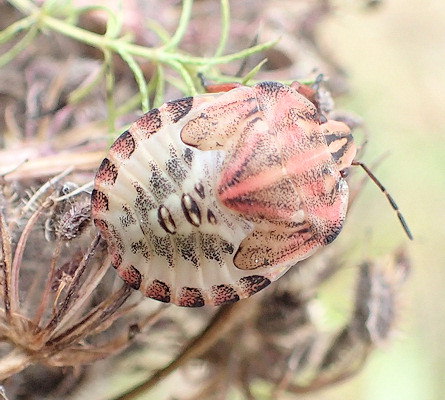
[208,199]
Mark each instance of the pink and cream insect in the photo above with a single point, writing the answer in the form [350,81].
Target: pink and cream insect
[208,199]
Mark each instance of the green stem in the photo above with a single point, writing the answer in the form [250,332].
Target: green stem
[160,86]
[225,27]
[109,87]
[117,45]
[139,77]
[191,89]
[15,28]
[182,25]
[19,46]
[25,6]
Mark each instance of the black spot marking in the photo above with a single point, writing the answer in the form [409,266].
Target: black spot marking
[175,169]
[149,123]
[124,145]
[143,198]
[112,237]
[132,276]
[165,220]
[253,284]
[99,201]
[191,297]
[107,172]
[191,210]
[142,248]
[186,246]
[188,156]
[160,185]
[143,203]
[128,218]
[199,188]
[227,247]
[116,260]
[163,248]
[179,108]
[211,248]
[223,294]
[211,218]
[159,291]
[332,235]
[332,137]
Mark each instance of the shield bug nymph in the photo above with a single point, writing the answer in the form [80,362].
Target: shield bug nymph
[208,199]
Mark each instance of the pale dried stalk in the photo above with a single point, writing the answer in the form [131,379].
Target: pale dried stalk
[17,360]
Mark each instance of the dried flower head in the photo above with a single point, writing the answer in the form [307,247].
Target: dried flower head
[57,298]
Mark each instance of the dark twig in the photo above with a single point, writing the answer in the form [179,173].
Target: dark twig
[217,327]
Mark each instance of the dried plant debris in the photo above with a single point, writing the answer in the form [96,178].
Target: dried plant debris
[282,344]
[60,305]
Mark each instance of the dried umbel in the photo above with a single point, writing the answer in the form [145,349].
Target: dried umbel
[55,290]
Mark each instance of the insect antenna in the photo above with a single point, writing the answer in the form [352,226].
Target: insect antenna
[388,196]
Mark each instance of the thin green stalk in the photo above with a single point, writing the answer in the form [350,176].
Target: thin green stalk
[14,29]
[157,28]
[117,45]
[175,82]
[25,6]
[109,87]
[139,77]
[129,105]
[191,89]
[87,86]
[225,27]
[51,6]
[182,25]
[253,72]
[160,86]
[19,46]
[114,22]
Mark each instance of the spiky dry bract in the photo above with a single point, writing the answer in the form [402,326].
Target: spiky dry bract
[73,221]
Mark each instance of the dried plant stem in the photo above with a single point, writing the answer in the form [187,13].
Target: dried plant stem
[47,291]
[72,288]
[16,361]
[84,292]
[286,378]
[44,188]
[93,319]
[222,321]
[326,381]
[6,265]
[18,255]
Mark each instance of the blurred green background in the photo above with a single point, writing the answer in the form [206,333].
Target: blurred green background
[395,58]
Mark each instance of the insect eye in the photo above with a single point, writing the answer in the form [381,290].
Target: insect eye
[344,172]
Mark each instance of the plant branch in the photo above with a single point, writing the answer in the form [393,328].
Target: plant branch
[221,322]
